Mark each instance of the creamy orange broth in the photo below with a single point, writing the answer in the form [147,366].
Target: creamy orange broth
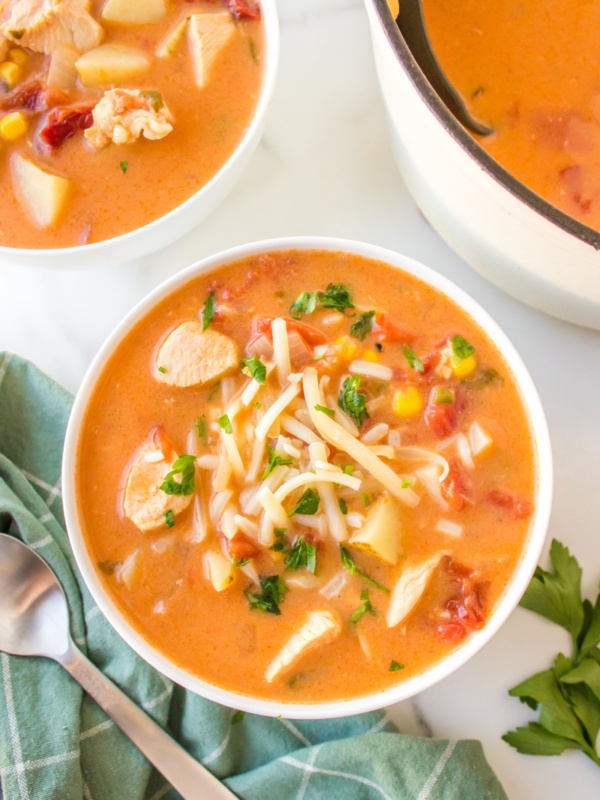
[531,71]
[104,200]
[216,635]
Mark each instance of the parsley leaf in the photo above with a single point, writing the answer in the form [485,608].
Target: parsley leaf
[280,542]
[337,296]
[214,391]
[302,554]
[308,503]
[350,564]
[395,666]
[108,567]
[329,411]
[256,368]
[485,377]
[461,348]
[273,589]
[184,466]
[202,429]
[169,518]
[413,359]
[208,312]
[274,461]
[225,423]
[365,608]
[305,304]
[162,369]
[353,402]
[343,506]
[241,563]
[123,166]
[363,325]
[237,717]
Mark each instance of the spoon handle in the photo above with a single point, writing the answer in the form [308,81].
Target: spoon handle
[183,772]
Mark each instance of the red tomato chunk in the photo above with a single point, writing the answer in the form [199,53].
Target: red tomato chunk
[66,122]
[466,609]
[519,509]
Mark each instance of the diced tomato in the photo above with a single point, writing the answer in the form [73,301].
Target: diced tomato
[455,489]
[441,419]
[243,9]
[29,97]
[519,509]
[466,608]
[164,444]
[63,123]
[386,329]
[239,548]
[309,333]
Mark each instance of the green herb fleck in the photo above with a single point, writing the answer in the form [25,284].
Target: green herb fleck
[461,348]
[366,500]
[241,563]
[343,506]
[257,405]
[336,296]
[225,423]
[395,666]
[214,391]
[202,429]
[253,51]
[161,369]
[305,304]
[123,166]
[169,518]
[184,466]
[108,567]
[353,402]
[443,396]
[485,377]
[350,564]
[405,484]
[413,359]
[363,325]
[280,544]
[478,92]
[154,99]
[256,368]
[366,607]
[273,589]
[302,554]
[208,312]
[329,411]
[237,717]
[274,461]
[18,34]
[308,503]
[349,469]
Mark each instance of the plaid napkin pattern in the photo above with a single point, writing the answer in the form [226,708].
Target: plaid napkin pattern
[57,744]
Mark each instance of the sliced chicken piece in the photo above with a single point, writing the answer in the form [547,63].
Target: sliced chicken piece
[320,628]
[190,356]
[123,115]
[43,25]
[209,34]
[409,590]
[144,503]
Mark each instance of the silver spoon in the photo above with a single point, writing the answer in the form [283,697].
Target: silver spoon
[34,621]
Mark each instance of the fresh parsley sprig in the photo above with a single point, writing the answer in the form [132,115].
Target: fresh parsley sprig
[350,564]
[184,466]
[366,607]
[208,312]
[353,402]
[308,503]
[363,325]
[274,461]
[568,692]
[461,348]
[336,296]
[302,554]
[256,368]
[305,303]
[273,591]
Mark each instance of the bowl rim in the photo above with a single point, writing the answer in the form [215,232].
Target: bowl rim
[453,127]
[402,691]
[270,20]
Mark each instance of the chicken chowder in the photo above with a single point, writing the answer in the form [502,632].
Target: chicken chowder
[114,113]
[306,476]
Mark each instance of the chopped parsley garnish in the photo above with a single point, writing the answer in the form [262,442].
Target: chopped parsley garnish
[257,404]
[17,34]
[108,567]
[395,666]
[208,312]
[153,98]
[363,325]
[302,554]
[184,466]
[336,296]
[485,377]
[366,500]
[214,391]
[241,563]
[225,423]
[350,564]
[237,717]
[274,461]
[280,542]
[461,348]
[405,484]
[353,402]
[443,396]
[329,411]
[343,506]
[273,589]
[305,304]
[413,359]
[202,429]
[169,518]
[366,607]
[161,369]
[123,166]
[349,469]
[253,51]
[256,368]
[308,503]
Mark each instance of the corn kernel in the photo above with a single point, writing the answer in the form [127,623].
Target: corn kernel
[461,369]
[407,403]
[370,355]
[18,56]
[349,348]
[277,557]
[9,73]
[13,126]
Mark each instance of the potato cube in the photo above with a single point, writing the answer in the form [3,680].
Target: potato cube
[220,570]
[42,193]
[134,12]
[380,534]
[111,64]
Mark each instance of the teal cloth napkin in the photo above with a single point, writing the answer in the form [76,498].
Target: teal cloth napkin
[56,743]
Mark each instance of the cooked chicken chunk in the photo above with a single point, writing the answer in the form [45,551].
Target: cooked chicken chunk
[144,503]
[320,628]
[409,590]
[43,25]
[190,356]
[209,34]
[123,115]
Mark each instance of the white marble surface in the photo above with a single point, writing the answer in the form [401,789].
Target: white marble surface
[325,167]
